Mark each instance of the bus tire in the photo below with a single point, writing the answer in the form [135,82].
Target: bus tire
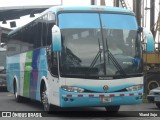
[44,99]
[18,98]
[158,105]
[114,109]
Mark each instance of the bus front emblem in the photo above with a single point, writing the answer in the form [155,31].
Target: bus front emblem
[105,87]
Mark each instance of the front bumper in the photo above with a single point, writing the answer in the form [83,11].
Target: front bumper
[72,99]
[151,98]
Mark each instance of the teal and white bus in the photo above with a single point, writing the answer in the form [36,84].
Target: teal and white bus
[64,58]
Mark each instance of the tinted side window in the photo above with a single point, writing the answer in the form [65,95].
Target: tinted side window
[27,42]
[48,22]
[13,45]
[34,35]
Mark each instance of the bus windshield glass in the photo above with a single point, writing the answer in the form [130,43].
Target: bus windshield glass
[99,44]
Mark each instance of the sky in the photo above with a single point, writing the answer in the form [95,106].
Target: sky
[12,3]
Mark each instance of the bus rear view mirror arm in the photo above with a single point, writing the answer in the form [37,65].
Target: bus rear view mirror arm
[140,29]
[56,39]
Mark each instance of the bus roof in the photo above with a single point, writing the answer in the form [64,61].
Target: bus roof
[89,8]
[93,8]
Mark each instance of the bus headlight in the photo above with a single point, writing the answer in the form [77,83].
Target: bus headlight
[72,89]
[135,87]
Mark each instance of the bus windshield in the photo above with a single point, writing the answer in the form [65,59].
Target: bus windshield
[3,59]
[99,44]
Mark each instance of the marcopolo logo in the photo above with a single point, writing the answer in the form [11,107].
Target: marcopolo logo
[105,87]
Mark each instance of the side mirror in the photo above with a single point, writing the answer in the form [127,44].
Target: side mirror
[149,40]
[56,39]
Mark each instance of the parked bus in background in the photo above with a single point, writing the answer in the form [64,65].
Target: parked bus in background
[66,58]
[2,67]
[3,39]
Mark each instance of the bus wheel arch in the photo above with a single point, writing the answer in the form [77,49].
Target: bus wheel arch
[41,88]
[18,98]
[152,81]
[14,85]
[44,97]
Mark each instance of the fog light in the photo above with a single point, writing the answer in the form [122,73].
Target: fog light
[137,98]
[65,99]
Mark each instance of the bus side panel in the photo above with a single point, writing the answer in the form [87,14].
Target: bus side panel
[13,70]
[42,70]
[35,67]
[27,74]
[22,66]
[34,73]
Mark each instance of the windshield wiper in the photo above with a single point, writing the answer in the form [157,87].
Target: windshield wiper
[72,56]
[96,58]
[94,61]
[111,57]
[118,66]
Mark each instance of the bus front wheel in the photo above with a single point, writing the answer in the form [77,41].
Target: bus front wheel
[114,109]
[45,101]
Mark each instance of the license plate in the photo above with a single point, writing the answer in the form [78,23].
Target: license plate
[157,98]
[105,99]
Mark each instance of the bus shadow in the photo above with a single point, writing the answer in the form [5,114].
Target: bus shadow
[85,113]
[33,104]
[73,112]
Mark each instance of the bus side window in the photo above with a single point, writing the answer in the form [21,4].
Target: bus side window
[14,44]
[52,61]
[49,21]
[54,64]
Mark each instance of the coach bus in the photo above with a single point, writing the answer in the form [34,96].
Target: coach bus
[67,57]
[2,67]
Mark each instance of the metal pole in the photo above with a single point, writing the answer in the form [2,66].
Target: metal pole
[152,16]
[92,2]
[138,11]
[102,2]
[143,14]
[134,6]
[159,28]
[116,3]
